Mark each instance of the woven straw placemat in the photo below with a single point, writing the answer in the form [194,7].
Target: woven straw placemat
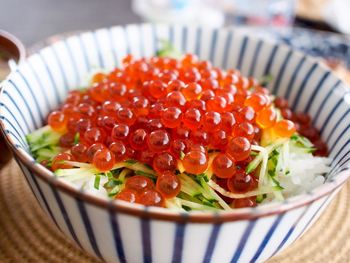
[27,235]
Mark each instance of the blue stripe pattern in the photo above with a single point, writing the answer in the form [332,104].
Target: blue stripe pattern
[146,240]
[42,196]
[60,66]
[42,88]
[65,215]
[112,45]
[198,43]
[42,118]
[50,75]
[212,242]
[214,40]
[267,238]
[171,34]
[8,132]
[85,56]
[294,76]
[255,58]
[313,216]
[330,115]
[270,60]
[291,230]
[324,102]
[243,241]
[31,114]
[87,224]
[315,90]
[179,241]
[18,134]
[303,85]
[228,45]
[74,63]
[118,242]
[101,61]
[281,72]
[26,175]
[184,39]
[14,105]
[126,39]
[242,52]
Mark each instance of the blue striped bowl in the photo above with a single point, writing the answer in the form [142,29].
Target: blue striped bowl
[116,231]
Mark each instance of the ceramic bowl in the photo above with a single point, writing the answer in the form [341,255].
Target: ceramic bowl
[116,231]
[12,45]
[10,48]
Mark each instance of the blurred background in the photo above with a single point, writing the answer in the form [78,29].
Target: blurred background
[318,27]
[34,20]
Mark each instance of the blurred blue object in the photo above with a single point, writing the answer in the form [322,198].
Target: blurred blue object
[179,4]
[332,47]
[200,12]
[277,13]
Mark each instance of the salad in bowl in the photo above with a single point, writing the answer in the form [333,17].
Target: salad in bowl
[176,132]
[227,152]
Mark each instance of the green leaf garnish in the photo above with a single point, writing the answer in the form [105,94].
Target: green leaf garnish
[186,208]
[278,186]
[252,153]
[260,198]
[97,181]
[113,182]
[114,191]
[76,138]
[148,166]
[139,172]
[168,50]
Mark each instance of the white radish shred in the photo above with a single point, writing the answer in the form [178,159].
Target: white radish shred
[305,173]
[296,171]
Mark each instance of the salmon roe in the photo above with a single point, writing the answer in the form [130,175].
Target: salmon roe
[284,128]
[169,113]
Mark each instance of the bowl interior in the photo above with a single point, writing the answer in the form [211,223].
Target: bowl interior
[42,81]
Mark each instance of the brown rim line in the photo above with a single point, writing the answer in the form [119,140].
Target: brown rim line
[181,217]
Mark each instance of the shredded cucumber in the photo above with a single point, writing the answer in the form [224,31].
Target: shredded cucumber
[196,206]
[75,174]
[193,189]
[43,143]
[174,204]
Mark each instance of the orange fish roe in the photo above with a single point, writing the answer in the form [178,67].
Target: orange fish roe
[165,112]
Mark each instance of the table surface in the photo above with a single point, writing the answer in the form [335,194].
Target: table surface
[39,19]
